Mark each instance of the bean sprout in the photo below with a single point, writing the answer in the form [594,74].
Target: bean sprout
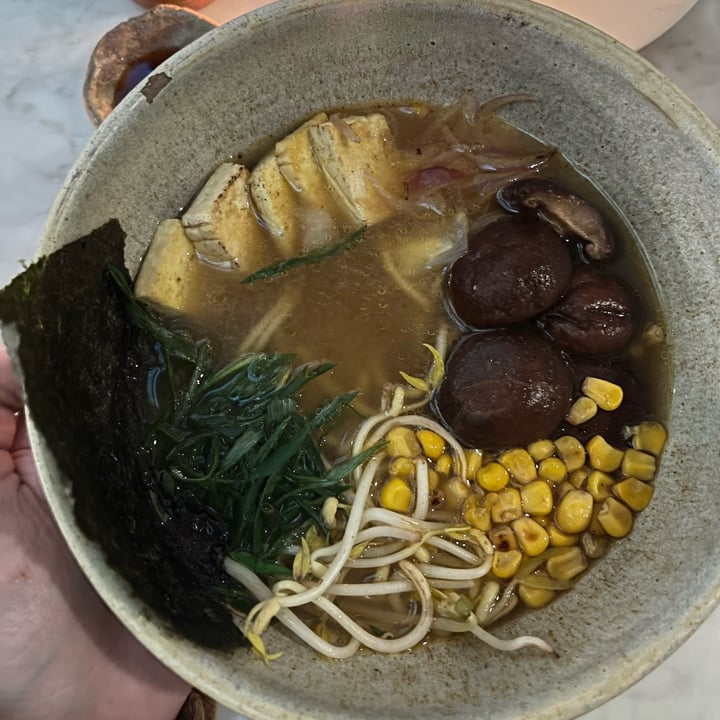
[288,618]
[378,514]
[372,533]
[353,525]
[422,489]
[389,587]
[447,573]
[450,584]
[383,553]
[471,625]
[453,549]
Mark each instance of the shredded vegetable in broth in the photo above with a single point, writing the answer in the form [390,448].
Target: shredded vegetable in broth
[469,404]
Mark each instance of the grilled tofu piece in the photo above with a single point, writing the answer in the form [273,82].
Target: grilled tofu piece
[358,161]
[221,222]
[276,204]
[298,166]
[292,196]
[319,179]
[165,278]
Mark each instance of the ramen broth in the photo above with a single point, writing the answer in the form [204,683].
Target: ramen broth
[351,309]
[345,309]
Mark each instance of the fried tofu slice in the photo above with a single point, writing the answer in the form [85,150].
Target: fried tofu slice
[292,195]
[358,161]
[221,221]
[322,176]
[165,278]
[276,204]
[298,166]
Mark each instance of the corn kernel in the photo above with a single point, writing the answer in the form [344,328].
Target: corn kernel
[432,444]
[535,597]
[503,538]
[634,493]
[508,506]
[649,436]
[638,464]
[558,538]
[566,564]
[552,469]
[582,410]
[595,528]
[473,460]
[491,499]
[492,477]
[564,488]
[607,395]
[402,467]
[571,452]
[402,443]
[602,455]
[574,511]
[653,334]
[595,546]
[454,491]
[536,498]
[396,495]
[519,464]
[505,563]
[541,449]
[615,518]
[476,513]
[579,477]
[531,536]
[487,596]
[599,485]
[444,464]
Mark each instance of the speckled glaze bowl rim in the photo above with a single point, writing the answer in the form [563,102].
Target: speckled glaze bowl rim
[176,653]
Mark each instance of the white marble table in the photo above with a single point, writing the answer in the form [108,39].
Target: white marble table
[43,127]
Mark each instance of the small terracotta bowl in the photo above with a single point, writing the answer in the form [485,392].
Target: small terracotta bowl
[132,49]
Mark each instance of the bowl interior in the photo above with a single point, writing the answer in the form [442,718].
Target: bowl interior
[622,124]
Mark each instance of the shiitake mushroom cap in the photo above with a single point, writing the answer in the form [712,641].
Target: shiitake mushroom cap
[515,268]
[570,214]
[596,316]
[504,388]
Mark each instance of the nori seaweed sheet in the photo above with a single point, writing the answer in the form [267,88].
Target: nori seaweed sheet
[85,367]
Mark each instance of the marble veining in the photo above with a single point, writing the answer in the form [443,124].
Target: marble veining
[43,128]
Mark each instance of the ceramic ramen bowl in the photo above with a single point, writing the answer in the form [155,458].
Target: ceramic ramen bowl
[624,125]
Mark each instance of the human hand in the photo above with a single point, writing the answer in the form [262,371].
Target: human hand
[63,655]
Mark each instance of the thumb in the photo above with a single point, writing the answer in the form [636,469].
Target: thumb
[10,391]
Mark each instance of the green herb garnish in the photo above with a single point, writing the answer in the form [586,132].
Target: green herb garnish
[235,440]
[308,258]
